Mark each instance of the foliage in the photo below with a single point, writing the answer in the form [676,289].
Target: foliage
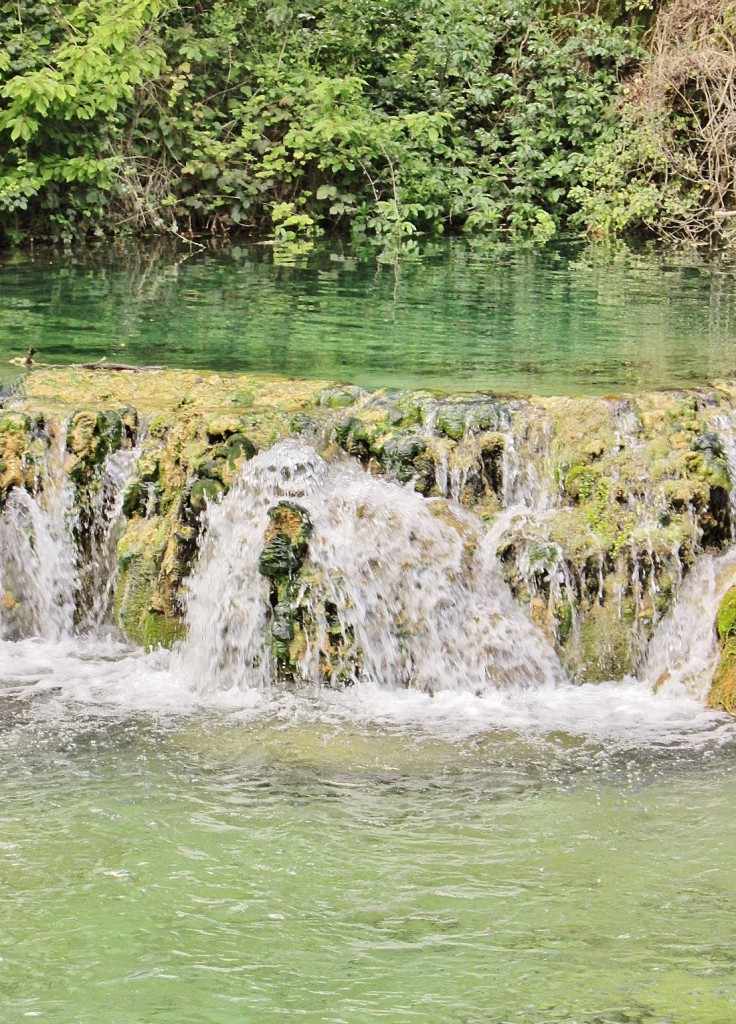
[671,170]
[296,117]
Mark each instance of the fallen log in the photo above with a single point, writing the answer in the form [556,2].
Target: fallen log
[103,365]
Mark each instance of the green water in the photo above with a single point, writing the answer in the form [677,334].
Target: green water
[566,320]
[236,868]
[225,872]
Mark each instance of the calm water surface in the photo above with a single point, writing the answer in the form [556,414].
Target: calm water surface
[566,320]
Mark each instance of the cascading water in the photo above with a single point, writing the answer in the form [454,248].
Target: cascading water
[414,596]
[683,652]
[57,572]
[394,591]
[38,571]
[98,572]
[399,595]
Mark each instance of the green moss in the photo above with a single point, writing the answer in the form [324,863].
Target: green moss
[160,630]
[14,423]
[605,645]
[565,616]
[580,482]
[726,617]
[286,540]
[143,607]
[722,694]
[204,492]
[340,397]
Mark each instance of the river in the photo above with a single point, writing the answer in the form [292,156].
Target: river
[184,841]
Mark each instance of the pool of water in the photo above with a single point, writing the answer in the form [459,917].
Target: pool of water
[564,320]
[175,854]
[561,856]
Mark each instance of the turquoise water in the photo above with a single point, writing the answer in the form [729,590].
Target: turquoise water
[215,868]
[565,320]
[553,856]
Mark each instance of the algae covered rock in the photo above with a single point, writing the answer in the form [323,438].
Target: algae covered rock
[187,466]
[436,445]
[91,436]
[597,506]
[24,443]
[643,485]
[283,555]
[286,540]
[722,695]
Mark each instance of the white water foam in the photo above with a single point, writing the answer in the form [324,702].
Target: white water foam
[421,601]
[98,576]
[38,573]
[386,556]
[101,678]
[683,653]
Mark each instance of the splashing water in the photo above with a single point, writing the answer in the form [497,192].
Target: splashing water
[38,571]
[98,573]
[419,601]
[433,637]
[47,581]
[683,653]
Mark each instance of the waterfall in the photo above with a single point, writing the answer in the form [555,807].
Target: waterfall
[38,572]
[57,565]
[683,652]
[383,587]
[395,590]
[98,571]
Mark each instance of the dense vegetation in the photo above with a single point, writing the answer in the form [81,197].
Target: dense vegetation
[297,117]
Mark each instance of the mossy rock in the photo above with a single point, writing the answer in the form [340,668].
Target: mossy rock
[24,445]
[160,630]
[726,616]
[148,467]
[14,422]
[238,446]
[91,436]
[286,540]
[143,605]
[722,694]
[455,419]
[580,482]
[133,498]
[220,428]
[605,645]
[211,469]
[405,457]
[452,420]
[365,438]
[205,492]
[340,397]
[301,423]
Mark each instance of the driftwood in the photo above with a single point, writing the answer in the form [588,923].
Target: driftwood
[102,365]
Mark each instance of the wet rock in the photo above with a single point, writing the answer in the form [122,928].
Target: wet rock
[286,540]
[455,419]
[220,428]
[722,694]
[23,449]
[281,561]
[203,493]
[340,397]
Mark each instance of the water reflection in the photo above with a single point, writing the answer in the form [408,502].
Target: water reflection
[565,320]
